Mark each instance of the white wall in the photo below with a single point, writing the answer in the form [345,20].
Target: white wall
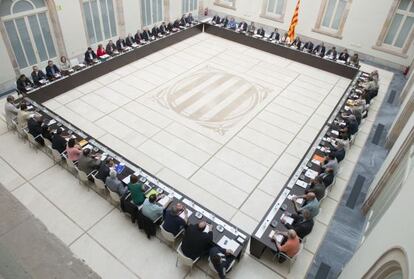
[132,15]
[361,31]
[394,229]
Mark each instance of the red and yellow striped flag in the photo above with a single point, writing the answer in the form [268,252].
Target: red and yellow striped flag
[294,22]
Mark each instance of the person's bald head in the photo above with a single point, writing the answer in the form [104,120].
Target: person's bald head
[310,196]
[291,234]
[202,225]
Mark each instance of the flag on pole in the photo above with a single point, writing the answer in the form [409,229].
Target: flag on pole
[294,22]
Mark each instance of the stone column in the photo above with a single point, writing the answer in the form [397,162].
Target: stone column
[57,30]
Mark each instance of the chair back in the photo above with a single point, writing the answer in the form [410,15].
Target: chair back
[167,235]
[100,185]
[211,266]
[71,165]
[31,139]
[48,143]
[114,197]
[56,156]
[83,177]
[184,259]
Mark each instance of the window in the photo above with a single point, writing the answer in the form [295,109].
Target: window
[189,6]
[99,20]
[151,11]
[226,3]
[401,25]
[28,30]
[274,9]
[332,17]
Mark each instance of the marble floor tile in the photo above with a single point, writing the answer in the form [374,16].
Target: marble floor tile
[286,164]
[125,89]
[10,178]
[244,222]
[146,113]
[282,136]
[55,220]
[273,182]
[297,148]
[135,122]
[327,209]
[85,110]
[314,239]
[257,204]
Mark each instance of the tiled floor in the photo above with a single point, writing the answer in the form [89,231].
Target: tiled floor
[221,116]
[236,172]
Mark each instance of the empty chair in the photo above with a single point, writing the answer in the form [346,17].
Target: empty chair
[71,166]
[185,260]
[21,133]
[32,140]
[100,186]
[57,157]
[83,178]
[48,145]
[169,237]
[114,198]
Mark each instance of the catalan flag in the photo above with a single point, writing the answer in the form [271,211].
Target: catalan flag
[294,22]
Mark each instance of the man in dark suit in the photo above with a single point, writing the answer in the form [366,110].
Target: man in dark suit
[224,21]
[242,26]
[120,44]
[190,18]
[58,141]
[196,242]
[52,71]
[90,56]
[183,21]
[129,40]
[163,28]
[302,224]
[155,31]
[332,53]
[308,47]
[275,35]
[260,31]
[110,48]
[216,19]
[344,56]
[34,124]
[328,177]
[147,35]
[104,169]
[297,43]
[319,50]
[138,37]
[176,24]
[37,76]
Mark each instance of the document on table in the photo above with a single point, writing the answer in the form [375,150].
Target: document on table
[163,202]
[311,174]
[287,219]
[189,212]
[302,183]
[51,122]
[228,244]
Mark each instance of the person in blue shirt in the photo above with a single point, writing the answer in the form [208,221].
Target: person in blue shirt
[232,24]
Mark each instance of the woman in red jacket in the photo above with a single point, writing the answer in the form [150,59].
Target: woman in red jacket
[100,51]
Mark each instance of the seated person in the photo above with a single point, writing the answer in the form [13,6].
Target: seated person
[275,36]
[58,141]
[311,203]
[196,242]
[317,187]
[104,169]
[216,19]
[156,31]
[111,48]
[285,39]
[100,51]
[138,37]
[163,29]
[38,77]
[327,177]
[289,248]
[308,47]
[340,152]
[232,24]
[73,150]
[173,222]
[90,56]
[351,125]
[87,162]
[242,26]
[46,131]
[260,32]
[171,28]
[147,35]
[190,18]
[176,25]
[10,110]
[114,184]
[224,21]
[151,209]
[137,190]
[371,88]
[332,53]
[319,50]
[65,65]
[251,30]
[330,162]
[52,71]
[297,43]
[23,115]
[221,260]
[34,124]
[183,21]
[23,84]
[120,44]
[129,40]
[344,56]
[302,224]
[354,61]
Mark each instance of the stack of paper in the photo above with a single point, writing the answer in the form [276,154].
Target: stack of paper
[228,244]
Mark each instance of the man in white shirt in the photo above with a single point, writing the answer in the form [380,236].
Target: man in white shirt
[10,110]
